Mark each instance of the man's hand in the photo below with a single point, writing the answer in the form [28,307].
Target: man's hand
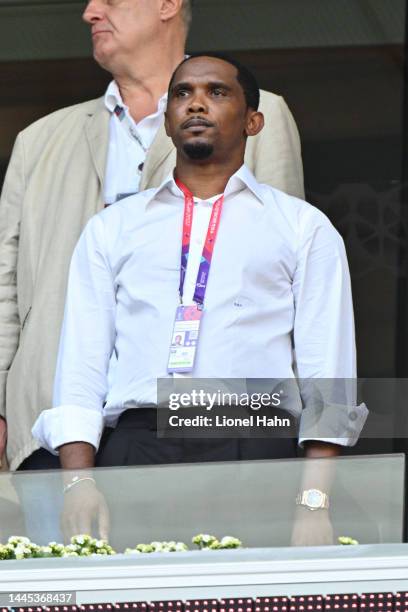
[84,506]
[83,503]
[3,438]
[312,528]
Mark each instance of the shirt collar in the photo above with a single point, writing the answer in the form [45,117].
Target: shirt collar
[113,98]
[242,179]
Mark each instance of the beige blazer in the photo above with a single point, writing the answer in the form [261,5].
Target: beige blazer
[54,184]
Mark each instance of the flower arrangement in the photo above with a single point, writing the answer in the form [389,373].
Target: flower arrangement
[157,547]
[19,547]
[347,541]
[205,541]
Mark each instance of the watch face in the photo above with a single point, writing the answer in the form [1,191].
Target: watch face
[314,498]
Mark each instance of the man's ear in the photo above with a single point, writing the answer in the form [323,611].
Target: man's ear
[255,122]
[170,8]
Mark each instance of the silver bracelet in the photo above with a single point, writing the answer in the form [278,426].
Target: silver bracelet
[75,481]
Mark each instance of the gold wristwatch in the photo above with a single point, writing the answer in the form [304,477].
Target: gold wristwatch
[313,499]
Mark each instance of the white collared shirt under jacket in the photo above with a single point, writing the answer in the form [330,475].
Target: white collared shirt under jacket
[279,280]
[127,152]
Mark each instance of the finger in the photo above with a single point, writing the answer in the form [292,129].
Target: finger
[65,527]
[103,521]
[83,523]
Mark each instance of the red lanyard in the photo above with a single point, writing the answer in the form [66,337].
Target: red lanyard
[204,269]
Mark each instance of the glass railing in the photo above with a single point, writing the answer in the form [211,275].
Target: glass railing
[253,501]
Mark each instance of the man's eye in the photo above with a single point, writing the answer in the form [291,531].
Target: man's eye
[217,91]
[181,93]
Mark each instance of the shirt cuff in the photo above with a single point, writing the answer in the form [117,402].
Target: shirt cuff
[335,423]
[68,423]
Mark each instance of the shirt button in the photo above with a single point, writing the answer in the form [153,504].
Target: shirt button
[353,416]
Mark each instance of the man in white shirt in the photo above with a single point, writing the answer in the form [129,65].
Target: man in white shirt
[69,165]
[279,273]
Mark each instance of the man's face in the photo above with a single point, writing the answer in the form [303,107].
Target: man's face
[121,28]
[207,115]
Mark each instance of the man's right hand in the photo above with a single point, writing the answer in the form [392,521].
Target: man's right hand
[84,505]
[3,438]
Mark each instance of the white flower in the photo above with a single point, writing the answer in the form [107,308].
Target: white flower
[230,542]
[72,548]
[18,540]
[132,551]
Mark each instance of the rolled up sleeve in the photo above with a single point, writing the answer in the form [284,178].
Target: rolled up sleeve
[324,340]
[86,344]
[64,424]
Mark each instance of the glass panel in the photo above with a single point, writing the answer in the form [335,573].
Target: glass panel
[253,501]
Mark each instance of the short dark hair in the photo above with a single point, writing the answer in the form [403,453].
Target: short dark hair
[245,77]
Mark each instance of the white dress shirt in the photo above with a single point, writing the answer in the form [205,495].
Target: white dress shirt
[126,151]
[279,276]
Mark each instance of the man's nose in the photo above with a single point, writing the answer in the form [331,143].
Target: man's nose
[93,11]
[197,104]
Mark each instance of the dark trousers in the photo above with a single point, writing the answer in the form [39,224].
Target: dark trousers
[134,441]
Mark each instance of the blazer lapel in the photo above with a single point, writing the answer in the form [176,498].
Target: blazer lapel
[97,134]
[160,149]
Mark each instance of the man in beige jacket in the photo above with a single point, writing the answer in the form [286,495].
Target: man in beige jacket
[69,165]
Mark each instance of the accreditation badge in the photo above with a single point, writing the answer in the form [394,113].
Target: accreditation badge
[184,340]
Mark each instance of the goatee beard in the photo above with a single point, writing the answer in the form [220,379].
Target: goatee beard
[198,151]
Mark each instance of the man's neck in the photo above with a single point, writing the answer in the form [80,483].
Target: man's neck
[141,85]
[206,181]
